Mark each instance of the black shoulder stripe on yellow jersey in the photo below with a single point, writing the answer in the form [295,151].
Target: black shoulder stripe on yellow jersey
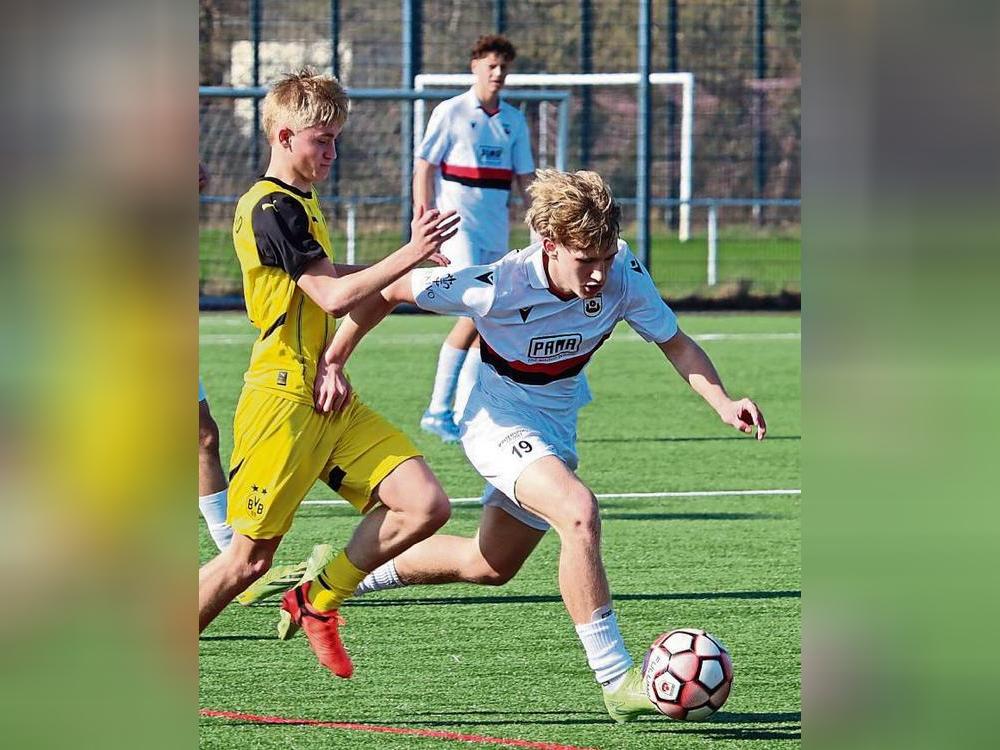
[283,234]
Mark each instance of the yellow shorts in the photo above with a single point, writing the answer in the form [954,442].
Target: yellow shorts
[282,447]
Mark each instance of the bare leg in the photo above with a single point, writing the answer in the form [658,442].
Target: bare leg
[462,334]
[491,558]
[222,578]
[414,506]
[551,490]
[211,478]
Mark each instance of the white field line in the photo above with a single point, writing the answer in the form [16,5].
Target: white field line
[696,493]
[396,339]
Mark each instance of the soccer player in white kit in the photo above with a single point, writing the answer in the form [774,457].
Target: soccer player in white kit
[474,148]
[212,486]
[541,314]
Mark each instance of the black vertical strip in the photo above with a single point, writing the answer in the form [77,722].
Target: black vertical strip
[274,326]
[235,469]
[302,357]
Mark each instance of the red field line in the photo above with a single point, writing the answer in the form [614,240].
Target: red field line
[432,734]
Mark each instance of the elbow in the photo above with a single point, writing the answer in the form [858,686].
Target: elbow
[336,304]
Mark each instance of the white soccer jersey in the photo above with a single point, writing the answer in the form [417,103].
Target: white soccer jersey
[477,154]
[535,344]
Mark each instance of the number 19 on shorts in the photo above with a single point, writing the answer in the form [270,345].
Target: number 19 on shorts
[521,448]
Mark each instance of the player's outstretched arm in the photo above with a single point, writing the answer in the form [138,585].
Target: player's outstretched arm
[338,294]
[423,184]
[331,389]
[695,366]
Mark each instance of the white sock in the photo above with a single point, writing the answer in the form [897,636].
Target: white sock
[605,648]
[449,365]
[382,578]
[213,508]
[466,379]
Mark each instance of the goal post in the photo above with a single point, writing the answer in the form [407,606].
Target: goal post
[683,79]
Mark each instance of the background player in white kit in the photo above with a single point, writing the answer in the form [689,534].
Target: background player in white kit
[541,314]
[474,147]
[212,486]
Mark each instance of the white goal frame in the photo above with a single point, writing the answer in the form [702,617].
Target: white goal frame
[684,80]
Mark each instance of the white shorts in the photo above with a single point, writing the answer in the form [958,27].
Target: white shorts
[464,250]
[502,443]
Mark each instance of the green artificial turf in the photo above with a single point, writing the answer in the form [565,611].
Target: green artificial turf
[505,662]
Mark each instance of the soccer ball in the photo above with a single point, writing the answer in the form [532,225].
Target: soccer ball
[688,674]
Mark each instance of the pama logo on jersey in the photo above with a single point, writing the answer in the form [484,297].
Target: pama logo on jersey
[490,154]
[592,307]
[554,347]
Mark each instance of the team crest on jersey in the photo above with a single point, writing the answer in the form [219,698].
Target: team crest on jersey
[592,307]
[554,347]
[490,154]
[256,500]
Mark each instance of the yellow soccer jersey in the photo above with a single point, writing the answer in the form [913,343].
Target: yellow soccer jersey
[277,232]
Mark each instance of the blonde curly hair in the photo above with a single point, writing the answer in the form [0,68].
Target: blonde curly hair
[574,209]
[305,99]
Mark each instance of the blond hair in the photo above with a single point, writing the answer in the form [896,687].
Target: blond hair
[574,209]
[305,99]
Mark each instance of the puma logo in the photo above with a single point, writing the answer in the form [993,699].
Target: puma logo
[265,206]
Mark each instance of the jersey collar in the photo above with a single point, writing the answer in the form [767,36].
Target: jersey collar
[286,186]
[538,275]
[479,105]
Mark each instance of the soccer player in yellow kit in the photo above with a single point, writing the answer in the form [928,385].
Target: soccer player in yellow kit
[283,442]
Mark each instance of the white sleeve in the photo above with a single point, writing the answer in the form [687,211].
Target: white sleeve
[645,310]
[521,152]
[436,143]
[469,291]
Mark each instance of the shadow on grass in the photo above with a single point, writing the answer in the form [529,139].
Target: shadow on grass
[737,717]
[785,726]
[271,637]
[551,599]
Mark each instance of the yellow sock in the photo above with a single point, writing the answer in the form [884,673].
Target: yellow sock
[335,584]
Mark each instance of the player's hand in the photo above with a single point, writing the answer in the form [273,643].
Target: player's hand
[439,259]
[743,415]
[431,229]
[331,389]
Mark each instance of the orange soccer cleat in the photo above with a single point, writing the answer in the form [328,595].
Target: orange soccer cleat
[321,628]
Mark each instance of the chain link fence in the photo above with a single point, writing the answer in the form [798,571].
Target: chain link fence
[744,55]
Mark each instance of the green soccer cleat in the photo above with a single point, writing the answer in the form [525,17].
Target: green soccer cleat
[286,626]
[283,577]
[277,580]
[629,701]
[320,557]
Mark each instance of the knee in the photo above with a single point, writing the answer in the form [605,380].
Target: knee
[208,436]
[581,519]
[433,512]
[438,510]
[486,575]
[247,568]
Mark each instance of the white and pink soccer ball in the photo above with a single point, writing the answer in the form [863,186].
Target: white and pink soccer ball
[688,674]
